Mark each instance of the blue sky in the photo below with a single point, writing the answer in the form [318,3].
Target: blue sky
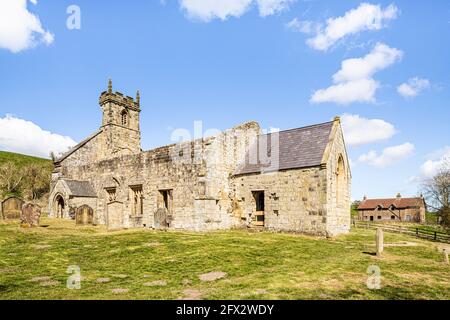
[251,60]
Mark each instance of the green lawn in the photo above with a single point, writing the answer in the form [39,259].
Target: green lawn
[264,265]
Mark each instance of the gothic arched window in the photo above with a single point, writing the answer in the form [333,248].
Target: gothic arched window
[124,118]
[340,181]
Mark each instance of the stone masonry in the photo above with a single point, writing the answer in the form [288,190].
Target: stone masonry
[295,180]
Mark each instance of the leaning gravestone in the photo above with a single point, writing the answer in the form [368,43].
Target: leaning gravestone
[31,213]
[162,218]
[380,242]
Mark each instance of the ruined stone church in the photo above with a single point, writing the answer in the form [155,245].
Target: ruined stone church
[294,180]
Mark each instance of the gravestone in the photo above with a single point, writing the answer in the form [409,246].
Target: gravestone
[445,252]
[84,215]
[31,213]
[11,208]
[379,242]
[161,218]
[115,215]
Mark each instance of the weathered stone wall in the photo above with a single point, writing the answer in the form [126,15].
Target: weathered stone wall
[88,153]
[199,178]
[155,171]
[295,200]
[116,141]
[222,157]
[338,200]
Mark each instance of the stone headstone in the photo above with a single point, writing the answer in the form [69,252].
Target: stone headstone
[445,251]
[161,218]
[30,216]
[84,215]
[115,215]
[379,242]
[11,208]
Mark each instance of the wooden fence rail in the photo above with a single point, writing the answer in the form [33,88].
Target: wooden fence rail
[419,233]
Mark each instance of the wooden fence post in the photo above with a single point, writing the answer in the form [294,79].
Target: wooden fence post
[379,242]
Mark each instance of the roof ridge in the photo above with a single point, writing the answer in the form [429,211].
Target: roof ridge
[299,128]
[402,198]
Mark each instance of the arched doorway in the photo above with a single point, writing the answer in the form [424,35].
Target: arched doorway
[59,206]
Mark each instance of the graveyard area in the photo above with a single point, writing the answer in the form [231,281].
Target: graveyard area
[36,263]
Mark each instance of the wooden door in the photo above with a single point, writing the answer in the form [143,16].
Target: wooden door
[258,215]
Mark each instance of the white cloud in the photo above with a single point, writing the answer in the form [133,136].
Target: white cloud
[413,87]
[348,92]
[389,156]
[437,161]
[354,82]
[19,28]
[21,136]
[270,7]
[359,130]
[207,10]
[306,27]
[365,17]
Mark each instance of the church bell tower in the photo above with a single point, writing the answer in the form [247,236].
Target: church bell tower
[120,124]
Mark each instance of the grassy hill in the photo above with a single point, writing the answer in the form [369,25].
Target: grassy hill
[21,160]
[24,176]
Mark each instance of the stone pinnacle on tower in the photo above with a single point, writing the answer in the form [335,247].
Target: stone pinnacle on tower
[138,98]
[110,86]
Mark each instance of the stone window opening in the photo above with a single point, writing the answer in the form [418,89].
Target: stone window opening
[124,118]
[165,199]
[137,204]
[111,192]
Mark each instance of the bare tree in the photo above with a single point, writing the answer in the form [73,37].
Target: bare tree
[11,179]
[37,180]
[437,192]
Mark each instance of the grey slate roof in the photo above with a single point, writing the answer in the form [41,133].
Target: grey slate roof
[298,148]
[80,188]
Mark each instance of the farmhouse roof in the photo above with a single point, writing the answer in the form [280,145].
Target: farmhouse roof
[399,203]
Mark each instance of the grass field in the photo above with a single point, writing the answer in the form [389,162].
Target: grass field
[144,264]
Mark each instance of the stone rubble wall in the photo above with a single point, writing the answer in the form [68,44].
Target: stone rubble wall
[206,193]
[338,199]
[294,199]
